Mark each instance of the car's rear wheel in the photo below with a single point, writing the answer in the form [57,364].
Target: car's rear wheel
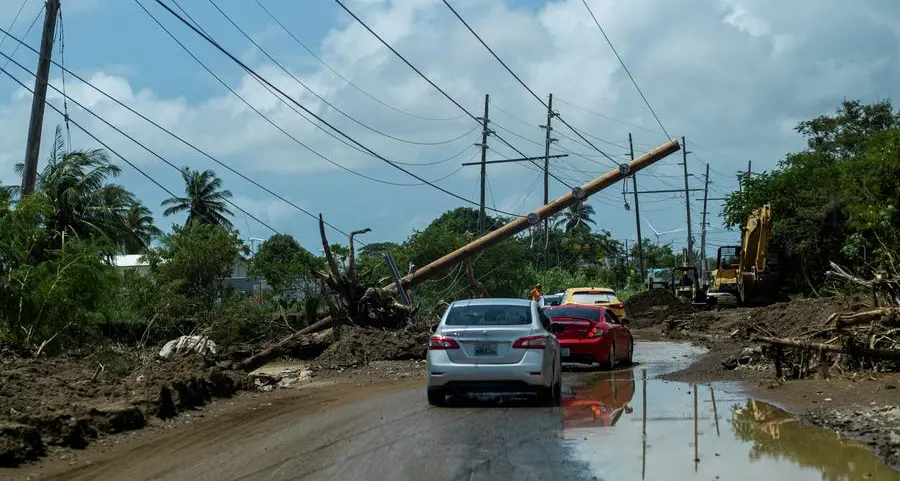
[550,396]
[436,396]
[610,363]
[630,360]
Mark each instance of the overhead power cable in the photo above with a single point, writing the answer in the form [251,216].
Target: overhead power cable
[345,79]
[624,67]
[126,135]
[439,89]
[323,99]
[270,121]
[253,72]
[30,27]
[171,134]
[539,99]
[14,20]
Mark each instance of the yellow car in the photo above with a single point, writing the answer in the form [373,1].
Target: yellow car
[595,296]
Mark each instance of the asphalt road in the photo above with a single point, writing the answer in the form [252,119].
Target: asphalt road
[393,434]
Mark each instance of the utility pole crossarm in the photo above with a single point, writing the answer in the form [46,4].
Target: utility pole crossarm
[520,159]
[667,191]
[36,123]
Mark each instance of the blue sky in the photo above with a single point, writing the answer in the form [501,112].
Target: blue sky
[733,76]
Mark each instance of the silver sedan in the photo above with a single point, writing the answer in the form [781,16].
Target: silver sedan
[494,345]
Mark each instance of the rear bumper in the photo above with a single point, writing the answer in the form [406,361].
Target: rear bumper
[523,376]
[585,350]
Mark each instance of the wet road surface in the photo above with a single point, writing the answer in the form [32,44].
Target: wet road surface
[597,434]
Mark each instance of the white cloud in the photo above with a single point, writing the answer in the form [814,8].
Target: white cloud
[725,73]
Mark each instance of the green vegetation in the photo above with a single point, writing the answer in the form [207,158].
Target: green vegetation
[837,200]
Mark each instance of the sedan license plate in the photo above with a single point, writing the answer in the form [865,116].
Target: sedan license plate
[485,349]
[565,352]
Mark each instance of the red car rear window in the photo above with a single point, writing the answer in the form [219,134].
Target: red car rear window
[593,314]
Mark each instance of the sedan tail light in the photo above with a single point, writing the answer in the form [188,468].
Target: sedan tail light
[596,331]
[530,342]
[439,343]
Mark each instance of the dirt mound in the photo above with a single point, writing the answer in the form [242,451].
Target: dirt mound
[69,402]
[649,308]
[358,346]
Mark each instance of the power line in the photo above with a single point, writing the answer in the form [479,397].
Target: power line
[430,82]
[624,67]
[30,27]
[345,79]
[323,99]
[170,133]
[15,18]
[129,137]
[305,109]
[270,121]
[539,99]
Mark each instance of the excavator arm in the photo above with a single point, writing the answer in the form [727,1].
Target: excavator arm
[757,281]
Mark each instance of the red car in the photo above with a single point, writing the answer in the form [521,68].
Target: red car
[592,334]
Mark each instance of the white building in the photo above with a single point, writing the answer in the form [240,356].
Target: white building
[136,262]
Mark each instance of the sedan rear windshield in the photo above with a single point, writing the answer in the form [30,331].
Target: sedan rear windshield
[588,297]
[489,315]
[573,312]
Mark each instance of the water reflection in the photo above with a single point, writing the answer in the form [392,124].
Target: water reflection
[676,433]
[601,403]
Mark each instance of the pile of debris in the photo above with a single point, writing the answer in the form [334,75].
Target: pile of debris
[652,307]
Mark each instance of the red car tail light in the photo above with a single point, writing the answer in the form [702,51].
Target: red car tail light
[617,305]
[596,332]
[530,342]
[439,343]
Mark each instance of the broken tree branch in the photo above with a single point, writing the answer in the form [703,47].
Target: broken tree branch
[849,349]
[848,320]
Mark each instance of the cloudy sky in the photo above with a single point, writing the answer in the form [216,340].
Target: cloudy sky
[732,76]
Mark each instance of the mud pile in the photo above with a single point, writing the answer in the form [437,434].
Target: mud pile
[357,346]
[650,308]
[70,402]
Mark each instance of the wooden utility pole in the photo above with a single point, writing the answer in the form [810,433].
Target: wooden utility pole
[35,125]
[687,205]
[519,224]
[548,140]
[704,266]
[485,132]
[637,211]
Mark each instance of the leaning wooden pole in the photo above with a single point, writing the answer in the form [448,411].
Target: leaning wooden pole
[546,211]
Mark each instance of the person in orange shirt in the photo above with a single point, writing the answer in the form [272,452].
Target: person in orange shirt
[536,293]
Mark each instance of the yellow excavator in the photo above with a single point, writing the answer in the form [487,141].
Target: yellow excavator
[747,274]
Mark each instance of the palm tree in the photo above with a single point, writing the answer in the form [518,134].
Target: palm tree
[577,216]
[139,224]
[84,203]
[204,201]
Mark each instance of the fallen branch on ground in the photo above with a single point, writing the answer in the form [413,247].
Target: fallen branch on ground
[848,348]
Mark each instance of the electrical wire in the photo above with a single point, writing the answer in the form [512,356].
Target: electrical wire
[430,82]
[323,99]
[345,79]
[539,99]
[305,109]
[624,67]
[171,134]
[62,60]
[14,20]
[129,137]
[30,27]
[271,122]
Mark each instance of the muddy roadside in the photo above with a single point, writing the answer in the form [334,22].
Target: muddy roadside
[858,401]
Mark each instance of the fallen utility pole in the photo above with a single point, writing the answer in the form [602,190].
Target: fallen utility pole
[544,212]
[305,338]
[36,123]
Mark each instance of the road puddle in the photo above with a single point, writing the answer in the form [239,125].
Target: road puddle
[627,427]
